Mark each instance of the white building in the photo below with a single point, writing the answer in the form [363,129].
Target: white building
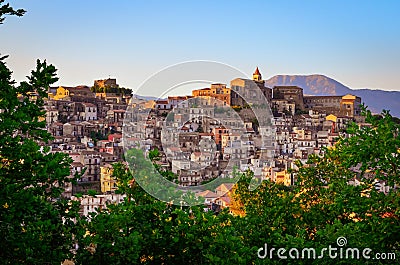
[90,113]
[92,204]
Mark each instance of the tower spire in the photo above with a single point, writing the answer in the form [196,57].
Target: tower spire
[257,75]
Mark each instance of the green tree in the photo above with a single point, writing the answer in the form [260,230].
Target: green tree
[154,155]
[35,221]
[323,205]
[154,232]
[36,224]
[7,10]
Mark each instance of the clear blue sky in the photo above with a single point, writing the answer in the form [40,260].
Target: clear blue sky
[354,42]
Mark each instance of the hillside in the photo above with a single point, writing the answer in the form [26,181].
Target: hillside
[376,100]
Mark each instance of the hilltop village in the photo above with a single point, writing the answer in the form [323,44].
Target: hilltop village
[199,136]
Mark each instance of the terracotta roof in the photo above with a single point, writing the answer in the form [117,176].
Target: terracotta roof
[178,97]
[115,135]
[80,88]
[228,186]
[226,199]
[257,72]
[207,194]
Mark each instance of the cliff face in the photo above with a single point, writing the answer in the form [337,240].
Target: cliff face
[376,100]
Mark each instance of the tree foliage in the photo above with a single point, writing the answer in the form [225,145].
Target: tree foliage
[7,10]
[35,222]
[335,196]
[114,90]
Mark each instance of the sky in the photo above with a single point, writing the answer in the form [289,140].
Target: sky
[354,42]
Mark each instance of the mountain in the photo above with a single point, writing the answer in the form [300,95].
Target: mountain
[376,100]
[146,97]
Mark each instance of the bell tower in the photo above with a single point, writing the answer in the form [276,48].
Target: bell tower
[257,75]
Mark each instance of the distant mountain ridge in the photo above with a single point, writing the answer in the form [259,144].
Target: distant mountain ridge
[376,100]
[146,97]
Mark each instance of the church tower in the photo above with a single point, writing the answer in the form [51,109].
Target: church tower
[257,76]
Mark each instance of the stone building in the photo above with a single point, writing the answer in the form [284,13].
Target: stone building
[217,91]
[290,94]
[348,105]
[243,89]
[66,93]
[109,82]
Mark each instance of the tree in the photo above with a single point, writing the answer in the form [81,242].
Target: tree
[6,9]
[36,225]
[35,222]
[324,205]
[154,155]
[374,148]
[154,232]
